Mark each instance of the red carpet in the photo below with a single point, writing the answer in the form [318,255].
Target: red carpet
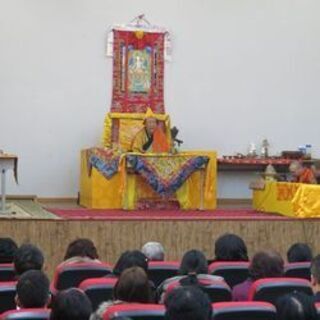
[117,215]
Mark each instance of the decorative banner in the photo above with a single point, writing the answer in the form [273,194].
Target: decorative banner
[138,71]
[166,174]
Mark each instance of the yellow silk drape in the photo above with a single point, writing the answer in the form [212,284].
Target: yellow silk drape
[306,202]
[124,188]
[276,197]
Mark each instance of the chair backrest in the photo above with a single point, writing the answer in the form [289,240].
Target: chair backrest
[252,310]
[135,311]
[7,295]
[217,291]
[121,128]
[72,274]
[7,272]
[298,270]
[233,272]
[98,290]
[158,271]
[26,314]
[270,289]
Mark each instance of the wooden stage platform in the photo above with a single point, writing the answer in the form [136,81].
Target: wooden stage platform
[197,230]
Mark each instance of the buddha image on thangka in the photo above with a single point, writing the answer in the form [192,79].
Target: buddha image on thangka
[139,70]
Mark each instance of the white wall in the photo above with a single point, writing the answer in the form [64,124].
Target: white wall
[242,70]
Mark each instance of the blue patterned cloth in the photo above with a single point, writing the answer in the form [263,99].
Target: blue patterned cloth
[166,174]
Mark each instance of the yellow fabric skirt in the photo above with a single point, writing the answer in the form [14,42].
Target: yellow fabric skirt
[125,188]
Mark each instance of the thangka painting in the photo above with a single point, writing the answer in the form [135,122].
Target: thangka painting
[138,66]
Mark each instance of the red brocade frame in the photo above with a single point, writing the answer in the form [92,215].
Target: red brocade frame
[128,101]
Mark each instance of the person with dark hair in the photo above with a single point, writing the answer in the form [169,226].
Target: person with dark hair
[315,277]
[8,249]
[265,264]
[299,252]
[81,250]
[188,303]
[296,306]
[27,257]
[193,269]
[71,304]
[129,259]
[132,286]
[33,290]
[230,247]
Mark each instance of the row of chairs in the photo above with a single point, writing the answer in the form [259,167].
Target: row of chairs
[100,289]
[72,275]
[221,311]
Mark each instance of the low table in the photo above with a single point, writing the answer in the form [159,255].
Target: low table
[7,162]
[252,165]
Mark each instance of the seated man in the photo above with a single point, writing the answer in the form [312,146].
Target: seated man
[33,290]
[27,257]
[301,173]
[150,138]
[154,251]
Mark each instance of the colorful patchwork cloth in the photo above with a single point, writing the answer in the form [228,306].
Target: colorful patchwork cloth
[166,174]
[106,161]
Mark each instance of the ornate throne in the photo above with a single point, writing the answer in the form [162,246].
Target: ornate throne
[108,177]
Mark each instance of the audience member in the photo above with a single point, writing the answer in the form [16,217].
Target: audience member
[33,290]
[132,286]
[27,257]
[81,250]
[299,252]
[230,247]
[8,249]
[129,259]
[188,303]
[193,268]
[296,306]
[71,304]
[265,264]
[154,251]
[315,277]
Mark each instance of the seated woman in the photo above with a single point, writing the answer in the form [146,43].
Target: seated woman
[81,250]
[150,138]
[230,247]
[132,286]
[193,269]
[265,264]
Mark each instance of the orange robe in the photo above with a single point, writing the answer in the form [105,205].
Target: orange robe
[159,143]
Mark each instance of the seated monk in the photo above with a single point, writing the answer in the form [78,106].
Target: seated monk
[151,137]
[301,174]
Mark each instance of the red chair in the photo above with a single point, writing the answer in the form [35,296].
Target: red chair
[243,311]
[298,270]
[26,314]
[270,289]
[98,290]
[158,271]
[135,311]
[7,272]
[72,274]
[233,272]
[7,295]
[217,291]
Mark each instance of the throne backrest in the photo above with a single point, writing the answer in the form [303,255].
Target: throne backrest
[121,128]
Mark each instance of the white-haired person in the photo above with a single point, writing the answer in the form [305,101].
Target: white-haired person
[153,250]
